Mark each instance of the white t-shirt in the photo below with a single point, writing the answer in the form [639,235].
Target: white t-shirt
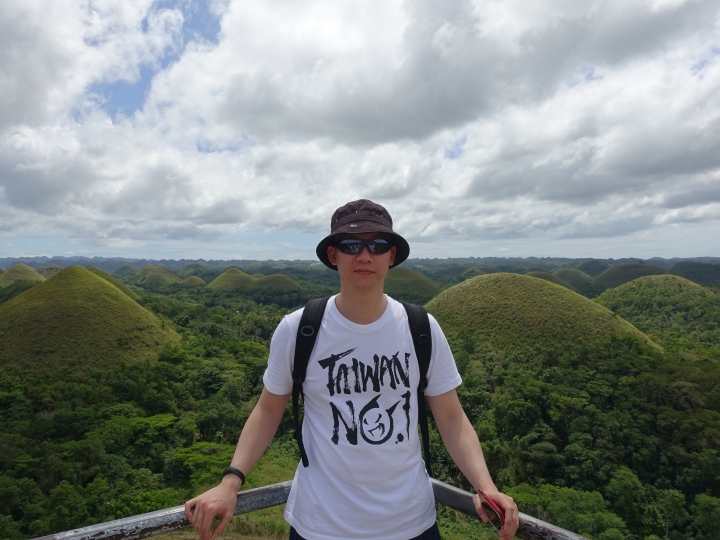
[366,478]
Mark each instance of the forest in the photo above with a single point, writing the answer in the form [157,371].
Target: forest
[593,386]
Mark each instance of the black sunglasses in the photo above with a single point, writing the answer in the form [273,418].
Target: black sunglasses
[353,246]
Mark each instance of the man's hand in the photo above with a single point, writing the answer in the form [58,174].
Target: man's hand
[508,506]
[218,502]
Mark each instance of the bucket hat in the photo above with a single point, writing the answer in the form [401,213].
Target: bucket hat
[362,216]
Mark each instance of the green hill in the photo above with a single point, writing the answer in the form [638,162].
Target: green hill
[592,268]
[119,284]
[193,281]
[159,276]
[20,272]
[232,278]
[623,273]
[51,270]
[552,279]
[194,270]
[125,270]
[276,282]
[682,316]
[573,277]
[410,286]
[582,282]
[2,270]
[702,273]
[503,310]
[78,319]
[145,270]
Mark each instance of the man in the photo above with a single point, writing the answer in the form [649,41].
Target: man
[365,477]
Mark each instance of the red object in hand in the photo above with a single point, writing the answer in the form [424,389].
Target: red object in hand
[495,515]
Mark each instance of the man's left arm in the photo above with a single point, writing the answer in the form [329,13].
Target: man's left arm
[464,447]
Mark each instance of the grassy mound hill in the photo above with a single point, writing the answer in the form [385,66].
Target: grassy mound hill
[81,320]
[592,268]
[232,278]
[159,276]
[2,270]
[573,277]
[702,273]
[20,272]
[145,270]
[193,281]
[582,282]
[623,273]
[410,286]
[119,284]
[194,270]
[682,316]
[51,270]
[125,270]
[552,279]
[503,310]
[276,282]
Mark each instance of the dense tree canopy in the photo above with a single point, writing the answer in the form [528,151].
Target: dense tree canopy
[609,436]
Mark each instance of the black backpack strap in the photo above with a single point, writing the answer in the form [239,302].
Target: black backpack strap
[304,342]
[422,340]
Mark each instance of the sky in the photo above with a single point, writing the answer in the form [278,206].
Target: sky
[232,130]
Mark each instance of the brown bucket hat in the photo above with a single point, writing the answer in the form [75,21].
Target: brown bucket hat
[362,216]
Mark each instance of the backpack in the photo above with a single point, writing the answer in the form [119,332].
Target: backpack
[305,341]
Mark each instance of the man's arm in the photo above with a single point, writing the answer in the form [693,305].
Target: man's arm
[464,447]
[220,501]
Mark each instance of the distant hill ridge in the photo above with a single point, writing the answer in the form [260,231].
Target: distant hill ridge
[503,310]
[234,278]
[623,273]
[112,264]
[552,279]
[702,273]
[79,320]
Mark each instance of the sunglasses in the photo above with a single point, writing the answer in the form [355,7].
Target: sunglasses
[353,246]
[496,516]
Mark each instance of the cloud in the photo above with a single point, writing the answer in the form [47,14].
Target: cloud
[471,120]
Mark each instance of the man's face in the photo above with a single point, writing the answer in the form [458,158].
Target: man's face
[364,270]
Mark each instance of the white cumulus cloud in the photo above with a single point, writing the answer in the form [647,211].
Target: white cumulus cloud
[476,122]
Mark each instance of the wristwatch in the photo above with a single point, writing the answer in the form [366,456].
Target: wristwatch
[236,472]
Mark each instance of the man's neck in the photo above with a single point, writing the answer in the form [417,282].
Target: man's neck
[361,307]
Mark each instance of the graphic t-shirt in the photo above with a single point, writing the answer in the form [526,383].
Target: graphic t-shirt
[366,477]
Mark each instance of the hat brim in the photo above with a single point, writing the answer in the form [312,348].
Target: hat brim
[400,244]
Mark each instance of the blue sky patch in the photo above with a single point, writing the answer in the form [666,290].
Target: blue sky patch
[123,97]
[456,149]
[200,24]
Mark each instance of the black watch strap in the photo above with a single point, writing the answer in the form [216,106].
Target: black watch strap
[236,472]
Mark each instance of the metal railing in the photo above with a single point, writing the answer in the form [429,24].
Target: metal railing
[172,519]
